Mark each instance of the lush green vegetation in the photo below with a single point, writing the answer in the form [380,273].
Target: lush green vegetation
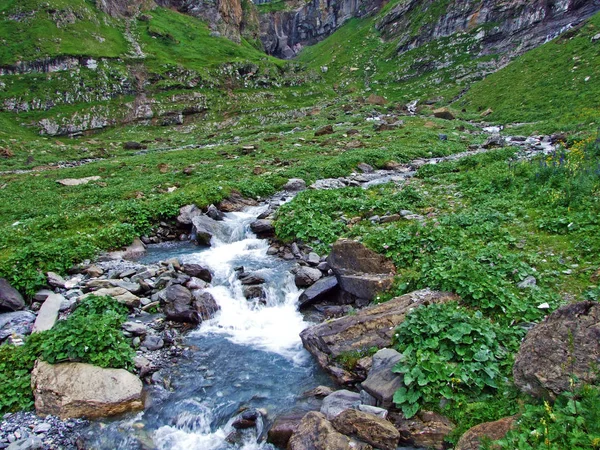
[450,353]
[488,221]
[573,422]
[36,29]
[91,334]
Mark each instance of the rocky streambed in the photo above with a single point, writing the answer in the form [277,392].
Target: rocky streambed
[218,327]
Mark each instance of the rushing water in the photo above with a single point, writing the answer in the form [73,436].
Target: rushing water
[249,356]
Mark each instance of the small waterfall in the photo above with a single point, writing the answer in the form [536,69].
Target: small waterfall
[263,328]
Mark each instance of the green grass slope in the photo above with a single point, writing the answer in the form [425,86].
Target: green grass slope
[36,29]
[557,84]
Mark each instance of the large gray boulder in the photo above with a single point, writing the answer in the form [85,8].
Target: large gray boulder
[10,299]
[322,289]
[565,345]
[72,390]
[205,228]
[381,382]
[315,432]
[359,270]
[178,299]
[370,327]
[374,430]
[48,313]
[17,322]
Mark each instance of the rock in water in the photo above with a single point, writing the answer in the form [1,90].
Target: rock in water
[71,390]
[370,327]
[284,427]
[178,299]
[368,428]
[320,290]
[205,228]
[10,299]
[262,228]
[315,432]
[48,313]
[196,270]
[474,437]
[564,345]
[359,270]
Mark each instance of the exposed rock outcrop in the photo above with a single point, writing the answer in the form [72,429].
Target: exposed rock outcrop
[565,344]
[284,33]
[82,390]
[370,327]
[427,429]
[315,432]
[512,27]
[360,271]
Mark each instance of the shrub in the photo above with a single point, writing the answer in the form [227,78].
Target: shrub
[451,353]
[92,334]
[572,422]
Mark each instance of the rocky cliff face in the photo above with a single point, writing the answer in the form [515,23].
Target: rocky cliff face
[229,18]
[512,27]
[506,27]
[284,33]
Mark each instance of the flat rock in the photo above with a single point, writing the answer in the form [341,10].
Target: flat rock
[120,294]
[16,322]
[328,183]
[564,345]
[359,270]
[474,437]
[323,288]
[381,382]
[315,432]
[10,298]
[369,327]
[77,181]
[366,427]
[70,390]
[196,270]
[48,313]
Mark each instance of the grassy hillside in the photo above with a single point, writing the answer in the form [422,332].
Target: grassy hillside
[555,86]
[36,29]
